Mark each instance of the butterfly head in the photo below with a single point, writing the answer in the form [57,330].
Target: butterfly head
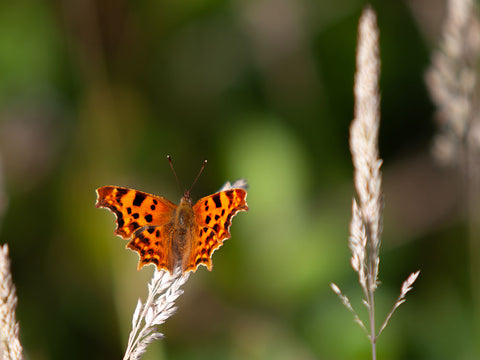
[186,199]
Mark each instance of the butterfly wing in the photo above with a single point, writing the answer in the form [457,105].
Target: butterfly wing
[134,209]
[145,218]
[153,244]
[213,215]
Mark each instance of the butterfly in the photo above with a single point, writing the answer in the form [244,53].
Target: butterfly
[169,235]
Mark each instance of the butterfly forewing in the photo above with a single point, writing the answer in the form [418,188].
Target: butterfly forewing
[213,216]
[134,209]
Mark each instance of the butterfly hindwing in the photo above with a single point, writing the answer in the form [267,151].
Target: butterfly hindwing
[153,244]
[134,209]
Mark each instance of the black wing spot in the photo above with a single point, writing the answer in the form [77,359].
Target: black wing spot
[217,217]
[138,199]
[129,210]
[121,222]
[216,200]
[148,218]
[121,192]
[223,212]
[136,216]
[230,194]
[155,201]
[207,219]
[150,230]
[152,207]
[157,234]
[216,227]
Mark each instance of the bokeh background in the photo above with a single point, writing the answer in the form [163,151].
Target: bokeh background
[98,92]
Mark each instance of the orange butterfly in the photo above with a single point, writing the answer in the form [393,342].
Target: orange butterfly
[166,234]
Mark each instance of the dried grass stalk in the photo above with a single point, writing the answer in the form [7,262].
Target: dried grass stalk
[367,210]
[163,290]
[366,223]
[452,81]
[10,347]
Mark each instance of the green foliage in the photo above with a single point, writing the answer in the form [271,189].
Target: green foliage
[98,93]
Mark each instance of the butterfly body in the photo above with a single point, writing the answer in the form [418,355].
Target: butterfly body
[168,235]
[182,234]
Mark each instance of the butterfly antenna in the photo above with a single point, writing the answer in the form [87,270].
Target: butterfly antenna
[174,173]
[199,173]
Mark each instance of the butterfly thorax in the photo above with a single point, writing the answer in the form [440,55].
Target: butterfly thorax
[184,216]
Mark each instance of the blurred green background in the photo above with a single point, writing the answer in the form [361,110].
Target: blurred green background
[97,93]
